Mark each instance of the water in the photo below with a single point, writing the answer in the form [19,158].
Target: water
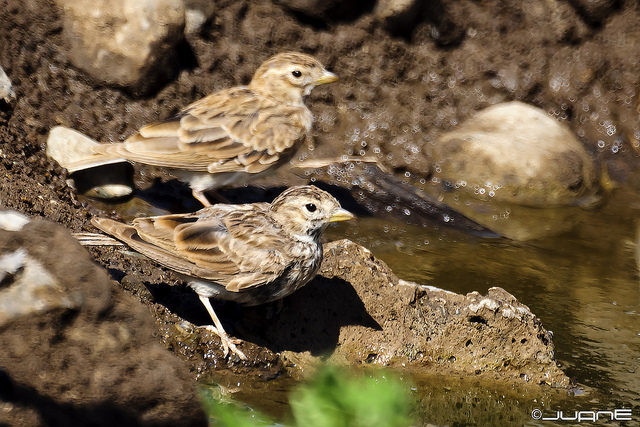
[583,284]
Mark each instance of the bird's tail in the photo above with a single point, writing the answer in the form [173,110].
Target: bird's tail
[75,151]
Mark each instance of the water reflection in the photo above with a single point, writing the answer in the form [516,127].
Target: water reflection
[582,284]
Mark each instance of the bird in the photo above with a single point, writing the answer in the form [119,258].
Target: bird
[251,253]
[227,137]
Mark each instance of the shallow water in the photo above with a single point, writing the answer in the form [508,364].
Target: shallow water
[583,284]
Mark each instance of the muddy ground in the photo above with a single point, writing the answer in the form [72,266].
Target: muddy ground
[398,92]
[395,96]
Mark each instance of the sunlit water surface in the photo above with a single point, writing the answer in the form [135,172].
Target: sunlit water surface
[583,284]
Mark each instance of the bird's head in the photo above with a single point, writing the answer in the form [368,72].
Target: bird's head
[305,211]
[288,77]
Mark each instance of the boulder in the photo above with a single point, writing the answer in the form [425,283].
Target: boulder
[516,153]
[76,351]
[127,43]
[356,311]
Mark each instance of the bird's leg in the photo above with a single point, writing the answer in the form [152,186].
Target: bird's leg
[199,195]
[227,342]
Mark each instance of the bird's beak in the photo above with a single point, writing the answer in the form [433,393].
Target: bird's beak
[341,215]
[326,77]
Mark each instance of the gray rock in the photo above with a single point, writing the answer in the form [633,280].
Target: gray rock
[29,288]
[12,221]
[6,90]
[197,14]
[492,335]
[72,342]
[398,15]
[128,43]
[516,153]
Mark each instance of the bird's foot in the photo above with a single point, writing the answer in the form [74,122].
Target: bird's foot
[228,343]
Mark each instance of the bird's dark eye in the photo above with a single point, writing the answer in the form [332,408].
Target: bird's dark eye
[310,207]
[296,73]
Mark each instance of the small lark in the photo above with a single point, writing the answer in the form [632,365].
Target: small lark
[251,254]
[228,137]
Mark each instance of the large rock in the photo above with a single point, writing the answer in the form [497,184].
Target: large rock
[399,323]
[514,152]
[128,43]
[75,351]
[358,311]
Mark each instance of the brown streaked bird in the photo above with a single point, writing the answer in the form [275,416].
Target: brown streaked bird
[251,254]
[228,137]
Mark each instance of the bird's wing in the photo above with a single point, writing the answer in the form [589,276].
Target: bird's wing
[234,247]
[228,131]
[129,235]
[237,247]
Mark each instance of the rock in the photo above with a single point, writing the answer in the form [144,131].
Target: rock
[398,15]
[493,335]
[127,43]
[12,221]
[516,153]
[29,288]
[358,311]
[6,90]
[197,14]
[419,20]
[74,350]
